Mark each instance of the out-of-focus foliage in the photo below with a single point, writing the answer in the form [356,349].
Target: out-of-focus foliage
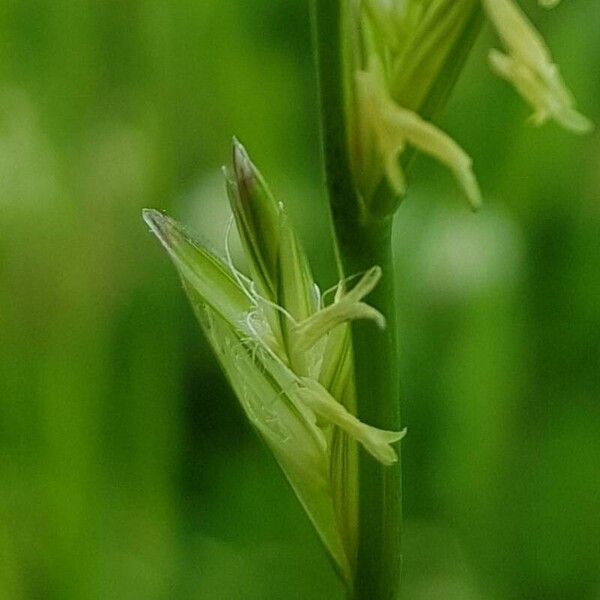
[126,469]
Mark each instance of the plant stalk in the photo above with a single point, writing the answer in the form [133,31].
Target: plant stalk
[360,246]
[378,403]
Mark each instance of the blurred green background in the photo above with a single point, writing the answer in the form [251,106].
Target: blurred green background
[126,468]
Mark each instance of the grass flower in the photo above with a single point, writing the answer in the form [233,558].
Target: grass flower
[529,67]
[285,352]
[319,380]
[404,57]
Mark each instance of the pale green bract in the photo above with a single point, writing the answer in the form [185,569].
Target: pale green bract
[286,354]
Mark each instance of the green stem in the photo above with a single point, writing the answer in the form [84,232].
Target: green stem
[360,246]
[378,403]
[363,242]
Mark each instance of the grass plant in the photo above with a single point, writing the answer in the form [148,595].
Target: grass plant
[317,373]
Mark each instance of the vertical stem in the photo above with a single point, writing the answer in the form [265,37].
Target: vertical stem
[360,246]
[378,403]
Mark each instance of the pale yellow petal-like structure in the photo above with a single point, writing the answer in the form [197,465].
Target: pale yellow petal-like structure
[393,128]
[375,441]
[528,65]
[347,307]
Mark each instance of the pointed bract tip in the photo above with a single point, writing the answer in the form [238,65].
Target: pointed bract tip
[242,165]
[162,226]
[154,219]
[147,213]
